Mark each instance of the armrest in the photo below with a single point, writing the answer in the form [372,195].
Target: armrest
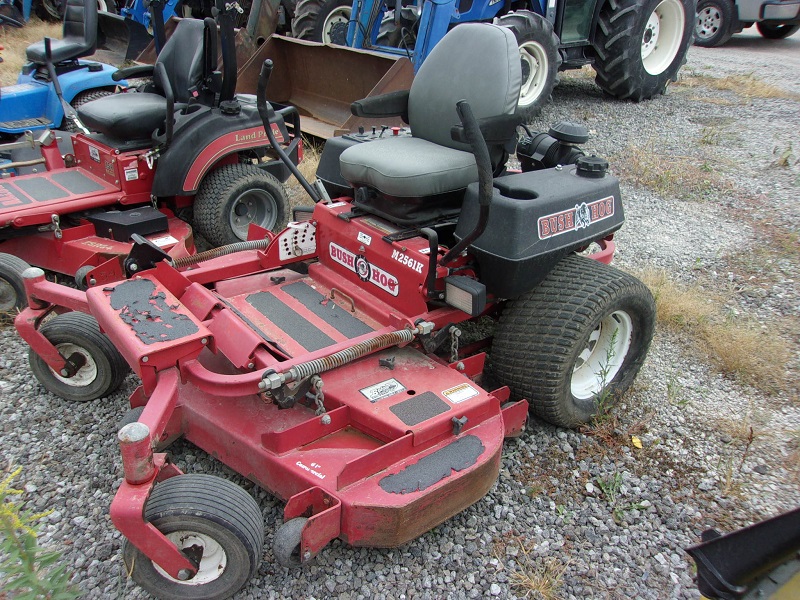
[133,72]
[163,80]
[393,104]
[495,130]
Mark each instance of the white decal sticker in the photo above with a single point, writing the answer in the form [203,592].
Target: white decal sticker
[365,270]
[583,215]
[313,468]
[407,261]
[460,393]
[364,238]
[94,153]
[164,241]
[335,204]
[382,390]
[131,174]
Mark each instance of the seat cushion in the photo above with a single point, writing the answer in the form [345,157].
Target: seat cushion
[408,167]
[60,50]
[125,116]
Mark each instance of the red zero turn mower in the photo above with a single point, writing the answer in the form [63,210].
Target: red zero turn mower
[184,142]
[330,367]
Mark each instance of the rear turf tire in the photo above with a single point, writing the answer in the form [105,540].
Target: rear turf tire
[556,345]
[232,197]
[79,100]
[210,517]
[104,368]
[641,45]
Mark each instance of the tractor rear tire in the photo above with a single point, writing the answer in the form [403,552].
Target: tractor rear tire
[777,31]
[104,368]
[641,45]
[538,49]
[575,343]
[322,21]
[714,25]
[232,197]
[205,514]
[79,100]
[12,285]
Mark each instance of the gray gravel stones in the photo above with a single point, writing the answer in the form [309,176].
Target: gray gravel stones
[614,518]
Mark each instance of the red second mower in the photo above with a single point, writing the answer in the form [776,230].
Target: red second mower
[185,145]
[333,367]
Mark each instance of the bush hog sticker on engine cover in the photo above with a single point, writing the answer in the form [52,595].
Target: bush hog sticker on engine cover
[365,270]
[148,314]
[580,217]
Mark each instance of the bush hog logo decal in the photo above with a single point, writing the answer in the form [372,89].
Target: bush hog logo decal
[365,270]
[580,217]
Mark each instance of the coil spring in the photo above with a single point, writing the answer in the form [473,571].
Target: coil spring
[185,261]
[338,359]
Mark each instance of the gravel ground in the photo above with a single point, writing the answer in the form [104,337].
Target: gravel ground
[552,517]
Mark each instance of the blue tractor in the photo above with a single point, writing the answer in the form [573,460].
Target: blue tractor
[635,46]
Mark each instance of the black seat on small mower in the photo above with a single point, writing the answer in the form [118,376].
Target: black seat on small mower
[476,62]
[79,35]
[136,115]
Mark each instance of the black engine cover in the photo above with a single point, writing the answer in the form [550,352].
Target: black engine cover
[535,219]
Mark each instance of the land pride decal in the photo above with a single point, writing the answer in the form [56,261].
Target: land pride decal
[580,217]
[365,270]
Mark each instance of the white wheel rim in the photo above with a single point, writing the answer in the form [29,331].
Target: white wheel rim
[339,15]
[212,563]
[101,5]
[599,363]
[8,296]
[662,36]
[708,22]
[85,375]
[534,69]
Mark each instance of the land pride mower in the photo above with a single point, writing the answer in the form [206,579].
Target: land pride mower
[186,145]
[333,367]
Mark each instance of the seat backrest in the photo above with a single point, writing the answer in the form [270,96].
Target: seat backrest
[182,57]
[80,24]
[478,62]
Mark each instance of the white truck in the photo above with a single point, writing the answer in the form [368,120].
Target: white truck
[718,20]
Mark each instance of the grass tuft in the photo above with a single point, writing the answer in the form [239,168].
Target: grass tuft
[747,86]
[15,41]
[736,346]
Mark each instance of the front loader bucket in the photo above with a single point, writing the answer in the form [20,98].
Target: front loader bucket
[119,38]
[323,80]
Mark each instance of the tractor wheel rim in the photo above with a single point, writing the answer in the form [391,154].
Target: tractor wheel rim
[101,5]
[212,562]
[85,375]
[662,36]
[534,72]
[708,23]
[253,206]
[602,358]
[8,296]
[339,16]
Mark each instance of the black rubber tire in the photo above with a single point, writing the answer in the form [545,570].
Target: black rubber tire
[207,506]
[12,16]
[12,285]
[389,34]
[82,331]
[777,31]
[537,42]
[80,99]
[621,71]
[305,19]
[714,24]
[219,195]
[286,546]
[542,334]
[50,10]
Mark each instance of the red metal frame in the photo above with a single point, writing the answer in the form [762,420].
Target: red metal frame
[209,386]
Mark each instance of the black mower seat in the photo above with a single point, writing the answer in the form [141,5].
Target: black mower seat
[79,35]
[136,115]
[478,62]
